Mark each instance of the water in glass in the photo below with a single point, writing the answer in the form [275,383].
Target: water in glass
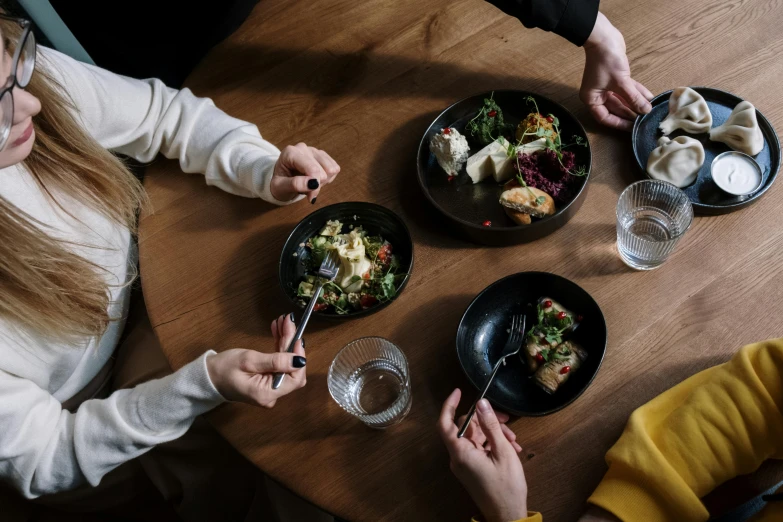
[369,379]
[651,218]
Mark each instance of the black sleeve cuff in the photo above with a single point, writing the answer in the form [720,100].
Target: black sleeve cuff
[577,21]
[571,19]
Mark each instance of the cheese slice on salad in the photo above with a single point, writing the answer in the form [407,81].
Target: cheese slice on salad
[480,167]
[503,164]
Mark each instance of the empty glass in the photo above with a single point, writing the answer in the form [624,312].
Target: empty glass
[652,216]
[369,379]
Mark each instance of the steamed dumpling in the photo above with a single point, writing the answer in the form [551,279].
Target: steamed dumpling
[741,131]
[354,263]
[687,111]
[677,161]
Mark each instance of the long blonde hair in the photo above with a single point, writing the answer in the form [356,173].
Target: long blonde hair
[44,285]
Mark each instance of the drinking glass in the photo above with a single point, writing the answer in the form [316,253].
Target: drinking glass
[369,379]
[652,216]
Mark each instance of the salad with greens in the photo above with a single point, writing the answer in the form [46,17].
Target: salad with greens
[369,272]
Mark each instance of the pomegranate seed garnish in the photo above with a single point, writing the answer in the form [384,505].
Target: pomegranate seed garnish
[564,370]
[550,119]
[487,223]
[447,130]
[547,303]
[539,357]
[492,114]
[561,315]
[450,178]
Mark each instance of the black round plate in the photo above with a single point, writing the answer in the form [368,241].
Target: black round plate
[483,332]
[704,194]
[375,219]
[467,205]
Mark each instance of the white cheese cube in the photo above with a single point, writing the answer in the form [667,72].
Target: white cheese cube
[503,165]
[479,165]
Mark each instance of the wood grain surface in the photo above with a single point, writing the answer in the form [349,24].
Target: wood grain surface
[362,80]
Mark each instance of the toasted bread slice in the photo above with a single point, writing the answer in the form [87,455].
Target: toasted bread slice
[523,199]
[520,218]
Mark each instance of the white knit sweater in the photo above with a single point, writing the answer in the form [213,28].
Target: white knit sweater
[43,448]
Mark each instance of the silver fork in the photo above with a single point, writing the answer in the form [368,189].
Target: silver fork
[513,345]
[326,273]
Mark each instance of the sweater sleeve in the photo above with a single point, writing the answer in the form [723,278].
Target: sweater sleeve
[532,516]
[571,19]
[718,424]
[45,449]
[141,118]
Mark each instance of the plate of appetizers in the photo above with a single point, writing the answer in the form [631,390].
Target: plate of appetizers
[506,166]
[562,350]
[375,251]
[718,148]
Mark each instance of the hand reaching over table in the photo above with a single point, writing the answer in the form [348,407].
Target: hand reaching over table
[246,375]
[485,460]
[614,98]
[302,170]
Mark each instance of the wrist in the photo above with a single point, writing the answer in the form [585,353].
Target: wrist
[604,35]
[212,371]
[508,514]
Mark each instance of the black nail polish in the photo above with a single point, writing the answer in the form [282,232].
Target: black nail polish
[313,201]
[313,184]
[293,320]
[299,361]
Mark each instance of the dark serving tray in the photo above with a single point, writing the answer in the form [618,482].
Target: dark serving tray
[705,196]
[466,205]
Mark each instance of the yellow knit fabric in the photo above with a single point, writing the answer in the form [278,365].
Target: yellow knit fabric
[532,516]
[720,423]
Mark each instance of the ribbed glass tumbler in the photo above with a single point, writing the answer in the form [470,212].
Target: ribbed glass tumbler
[652,216]
[369,379]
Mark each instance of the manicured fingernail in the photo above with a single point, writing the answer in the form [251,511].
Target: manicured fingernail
[299,361]
[483,406]
[292,317]
[313,184]
[313,200]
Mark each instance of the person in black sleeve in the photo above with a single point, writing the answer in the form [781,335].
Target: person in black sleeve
[613,97]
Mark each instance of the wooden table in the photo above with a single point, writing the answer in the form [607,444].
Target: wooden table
[362,80]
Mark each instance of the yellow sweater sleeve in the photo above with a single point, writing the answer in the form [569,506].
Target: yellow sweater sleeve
[720,423]
[532,516]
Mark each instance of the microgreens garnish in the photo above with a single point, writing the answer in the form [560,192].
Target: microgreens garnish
[488,125]
[552,140]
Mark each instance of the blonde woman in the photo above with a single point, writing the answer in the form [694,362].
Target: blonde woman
[68,210]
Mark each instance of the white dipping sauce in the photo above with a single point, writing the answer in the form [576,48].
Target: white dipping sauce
[736,173]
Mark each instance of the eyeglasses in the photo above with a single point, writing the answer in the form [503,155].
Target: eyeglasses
[22,68]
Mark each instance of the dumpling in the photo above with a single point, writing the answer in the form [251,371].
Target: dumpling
[354,263]
[677,161]
[687,111]
[741,131]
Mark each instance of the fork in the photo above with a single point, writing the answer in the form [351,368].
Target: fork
[326,273]
[513,345]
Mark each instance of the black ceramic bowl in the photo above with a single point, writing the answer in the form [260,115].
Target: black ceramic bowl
[483,332]
[704,194]
[375,219]
[468,206]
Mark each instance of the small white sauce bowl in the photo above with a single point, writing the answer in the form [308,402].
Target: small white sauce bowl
[728,190]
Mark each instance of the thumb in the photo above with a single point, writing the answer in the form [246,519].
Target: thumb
[280,362]
[290,187]
[491,428]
